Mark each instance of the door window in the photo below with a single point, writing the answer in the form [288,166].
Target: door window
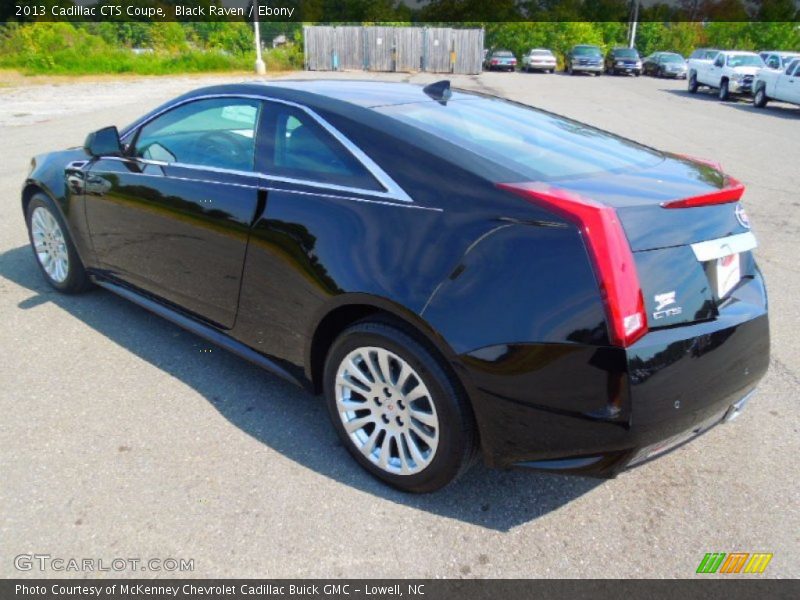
[303,149]
[218,132]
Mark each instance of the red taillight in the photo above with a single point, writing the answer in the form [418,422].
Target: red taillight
[610,253]
[732,192]
[495,61]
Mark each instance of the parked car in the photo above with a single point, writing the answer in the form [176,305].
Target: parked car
[455,272]
[623,60]
[777,85]
[778,60]
[731,72]
[665,64]
[584,59]
[539,59]
[500,60]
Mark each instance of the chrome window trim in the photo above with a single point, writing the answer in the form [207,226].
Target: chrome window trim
[392,190]
[732,244]
[413,205]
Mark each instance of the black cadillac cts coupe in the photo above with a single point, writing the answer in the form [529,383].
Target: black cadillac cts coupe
[458,274]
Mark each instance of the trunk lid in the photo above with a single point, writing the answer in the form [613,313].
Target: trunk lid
[682,281]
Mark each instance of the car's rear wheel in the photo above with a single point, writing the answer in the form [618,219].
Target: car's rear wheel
[760,99]
[692,85]
[724,91]
[53,248]
[397,409]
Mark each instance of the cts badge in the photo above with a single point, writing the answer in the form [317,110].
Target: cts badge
[741,216]
[663,301]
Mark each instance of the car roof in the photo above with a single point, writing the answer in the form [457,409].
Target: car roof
[319,92]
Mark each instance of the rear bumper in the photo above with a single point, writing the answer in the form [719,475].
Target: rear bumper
[599,410]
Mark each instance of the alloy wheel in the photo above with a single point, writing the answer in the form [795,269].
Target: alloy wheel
[387,410]
[50,244]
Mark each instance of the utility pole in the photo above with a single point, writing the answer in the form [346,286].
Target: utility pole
[261,68]
[634,23]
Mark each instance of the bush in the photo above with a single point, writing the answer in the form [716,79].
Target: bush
[66,49]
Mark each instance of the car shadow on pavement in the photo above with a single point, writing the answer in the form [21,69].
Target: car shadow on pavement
[745,103]
[285,417]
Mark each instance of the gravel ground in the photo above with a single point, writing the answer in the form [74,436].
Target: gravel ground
[123,436]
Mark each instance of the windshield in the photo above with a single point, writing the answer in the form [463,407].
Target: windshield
[586,51]
[626,53]
[540,146]
[671,58]
[745,60]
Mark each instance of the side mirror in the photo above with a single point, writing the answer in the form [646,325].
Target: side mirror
[103,142]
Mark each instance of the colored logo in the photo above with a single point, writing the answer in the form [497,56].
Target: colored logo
[735,562]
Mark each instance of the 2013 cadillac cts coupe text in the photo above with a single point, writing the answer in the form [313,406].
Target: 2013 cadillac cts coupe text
[459,274]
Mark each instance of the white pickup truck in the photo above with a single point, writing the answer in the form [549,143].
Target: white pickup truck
[777,85]
[731,72]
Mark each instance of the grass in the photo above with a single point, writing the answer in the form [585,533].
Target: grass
[60,49]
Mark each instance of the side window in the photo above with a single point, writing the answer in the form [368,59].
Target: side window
[797,69]
[720,61]
[774,62]
[303,149]
[218,132]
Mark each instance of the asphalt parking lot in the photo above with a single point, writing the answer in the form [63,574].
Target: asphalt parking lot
[123,436]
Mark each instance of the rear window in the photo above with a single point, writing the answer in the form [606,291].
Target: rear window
[704,54]
[503,53]
[538,145]
[541,53]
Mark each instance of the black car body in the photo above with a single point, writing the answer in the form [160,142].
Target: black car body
[584,58]
[623,61]
[665,64]
[568,294]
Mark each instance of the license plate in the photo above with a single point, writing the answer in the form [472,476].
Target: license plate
[628,70]
[728,273]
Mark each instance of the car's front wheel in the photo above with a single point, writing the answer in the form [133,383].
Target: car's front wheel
[692,84]
[397,409]
[54,250]
[724,91]
[760,99]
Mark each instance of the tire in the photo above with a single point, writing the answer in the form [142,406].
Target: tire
[724,92]
[760,99]
[570,71]
[53,247]
[659,73]
[445,444]
[637,73]
[692,83]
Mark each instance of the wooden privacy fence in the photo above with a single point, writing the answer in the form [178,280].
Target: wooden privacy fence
[431,49]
